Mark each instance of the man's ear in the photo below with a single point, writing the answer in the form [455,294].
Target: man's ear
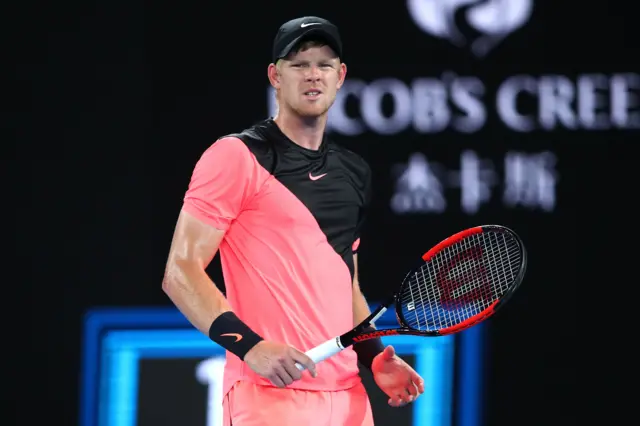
[342,74]
[274,76]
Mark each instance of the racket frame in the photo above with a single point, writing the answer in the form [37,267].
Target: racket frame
[358,334]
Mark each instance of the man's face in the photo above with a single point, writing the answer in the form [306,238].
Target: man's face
[309,80]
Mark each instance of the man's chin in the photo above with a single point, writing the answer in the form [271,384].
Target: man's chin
[312,112]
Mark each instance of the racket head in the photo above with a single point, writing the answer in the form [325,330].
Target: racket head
[462,281]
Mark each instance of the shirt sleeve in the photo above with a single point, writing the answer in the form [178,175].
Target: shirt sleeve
[224,179]
[364,209]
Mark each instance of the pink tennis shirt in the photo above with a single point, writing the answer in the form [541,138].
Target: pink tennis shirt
[292,219]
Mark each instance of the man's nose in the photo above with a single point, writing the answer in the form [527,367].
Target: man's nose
[313,74]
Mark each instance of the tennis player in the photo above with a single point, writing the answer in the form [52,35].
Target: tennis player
[285,206]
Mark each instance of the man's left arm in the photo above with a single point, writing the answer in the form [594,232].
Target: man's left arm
[360,306]
[393,375]
[368,349]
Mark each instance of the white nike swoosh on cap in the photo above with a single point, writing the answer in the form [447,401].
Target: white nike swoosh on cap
[308,23]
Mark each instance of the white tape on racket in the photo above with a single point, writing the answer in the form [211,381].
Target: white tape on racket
[323,351]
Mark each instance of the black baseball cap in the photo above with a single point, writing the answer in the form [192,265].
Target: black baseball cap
[291,33]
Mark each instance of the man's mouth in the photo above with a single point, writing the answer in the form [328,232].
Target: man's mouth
[313,93]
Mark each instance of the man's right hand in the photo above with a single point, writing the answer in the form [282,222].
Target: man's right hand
[277,362]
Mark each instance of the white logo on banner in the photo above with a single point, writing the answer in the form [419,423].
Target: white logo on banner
[529,181]
[491,20]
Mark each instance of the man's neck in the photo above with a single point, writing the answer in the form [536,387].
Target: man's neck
[306,132]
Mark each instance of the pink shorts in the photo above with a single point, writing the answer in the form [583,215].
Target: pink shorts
[248,404]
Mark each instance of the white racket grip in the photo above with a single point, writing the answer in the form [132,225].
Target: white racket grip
[323,351]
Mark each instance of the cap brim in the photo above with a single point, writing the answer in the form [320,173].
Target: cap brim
[323,34]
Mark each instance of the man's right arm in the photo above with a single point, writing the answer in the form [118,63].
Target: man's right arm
[223,180]
[192,291]
[185,281]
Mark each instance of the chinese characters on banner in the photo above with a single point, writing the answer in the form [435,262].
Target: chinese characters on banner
[527,181]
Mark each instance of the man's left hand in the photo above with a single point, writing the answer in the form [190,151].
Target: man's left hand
[396,378]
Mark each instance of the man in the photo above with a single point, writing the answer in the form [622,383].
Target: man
[285,206]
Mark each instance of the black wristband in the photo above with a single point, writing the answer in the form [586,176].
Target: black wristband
[368,349]
[232,334]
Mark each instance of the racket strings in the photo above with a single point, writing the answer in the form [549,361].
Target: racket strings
[460,281]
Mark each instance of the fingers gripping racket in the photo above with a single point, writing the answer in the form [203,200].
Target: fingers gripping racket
[457,284]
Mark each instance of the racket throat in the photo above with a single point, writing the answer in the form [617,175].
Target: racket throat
[376,315]
[373,317]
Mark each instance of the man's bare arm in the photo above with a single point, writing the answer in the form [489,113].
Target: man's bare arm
[360,306]
[192,291]
[185,281]
[368,349]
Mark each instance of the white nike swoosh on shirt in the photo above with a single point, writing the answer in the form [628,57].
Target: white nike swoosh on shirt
[303,25]
[316,177]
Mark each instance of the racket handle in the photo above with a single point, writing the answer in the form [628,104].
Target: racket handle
[323,351]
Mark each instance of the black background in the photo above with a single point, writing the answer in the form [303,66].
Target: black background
[121,98]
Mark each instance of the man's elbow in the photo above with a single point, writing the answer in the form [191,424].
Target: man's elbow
[168,283]
[180,275]
[174,278]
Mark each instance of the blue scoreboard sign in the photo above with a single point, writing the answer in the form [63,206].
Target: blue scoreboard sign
[144,367]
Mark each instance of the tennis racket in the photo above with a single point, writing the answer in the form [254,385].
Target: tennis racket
[457,284]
